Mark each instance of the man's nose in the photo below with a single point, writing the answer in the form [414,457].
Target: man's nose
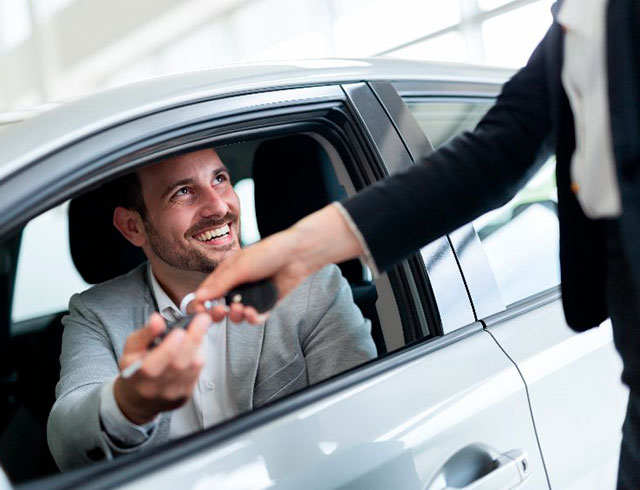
[213,204]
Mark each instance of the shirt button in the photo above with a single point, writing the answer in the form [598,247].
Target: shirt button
[211,385]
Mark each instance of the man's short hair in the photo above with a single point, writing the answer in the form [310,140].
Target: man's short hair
[126,192]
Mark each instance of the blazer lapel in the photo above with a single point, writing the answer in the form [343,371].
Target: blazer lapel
[244,347]
[561,115]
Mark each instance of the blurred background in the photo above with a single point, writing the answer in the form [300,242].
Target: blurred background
[56,49]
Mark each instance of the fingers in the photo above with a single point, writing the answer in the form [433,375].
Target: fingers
[259,261]
[227,275]
[239,313]
[188,353]
[178,349]
[236,312]
[168,373]
[253,317]
[218,313]
[140,339]
[198,327]
[158,360]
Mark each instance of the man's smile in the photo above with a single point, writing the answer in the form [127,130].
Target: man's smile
[217,235]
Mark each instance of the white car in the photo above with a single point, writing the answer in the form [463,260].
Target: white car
[479,383]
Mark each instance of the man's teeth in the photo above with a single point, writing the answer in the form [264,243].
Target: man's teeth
[211,234]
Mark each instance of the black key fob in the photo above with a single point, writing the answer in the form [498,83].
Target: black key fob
[180,323]
[262,295]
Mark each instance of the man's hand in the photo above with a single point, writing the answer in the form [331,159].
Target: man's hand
[169,372]
[286,258]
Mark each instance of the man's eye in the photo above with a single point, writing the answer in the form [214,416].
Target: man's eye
[220,178]
[183,191]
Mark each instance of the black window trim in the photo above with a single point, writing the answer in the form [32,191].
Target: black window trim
[417,142]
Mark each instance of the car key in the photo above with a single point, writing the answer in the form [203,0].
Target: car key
[262,295]
[179,323]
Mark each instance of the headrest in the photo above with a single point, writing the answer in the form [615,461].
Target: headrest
[293,177]
[98,249]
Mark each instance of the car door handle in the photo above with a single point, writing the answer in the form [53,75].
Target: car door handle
[478,467]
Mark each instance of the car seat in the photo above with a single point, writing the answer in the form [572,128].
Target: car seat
[98,250]
[293,177]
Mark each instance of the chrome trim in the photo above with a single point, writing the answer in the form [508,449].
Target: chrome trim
[524,306]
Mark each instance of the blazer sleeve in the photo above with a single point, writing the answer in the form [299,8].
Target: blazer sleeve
[88,363]
[335,336]
[474,173]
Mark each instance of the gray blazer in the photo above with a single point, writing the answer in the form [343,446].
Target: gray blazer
[314,333]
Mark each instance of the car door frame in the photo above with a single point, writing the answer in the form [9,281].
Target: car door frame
[76,167]
[368,106]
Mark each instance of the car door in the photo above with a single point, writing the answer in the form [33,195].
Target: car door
[573,379]
[445,407]
[510,261]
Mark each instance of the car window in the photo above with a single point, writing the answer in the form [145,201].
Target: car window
[441,120]
[520,239]
[46,277]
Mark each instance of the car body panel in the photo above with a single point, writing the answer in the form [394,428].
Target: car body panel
[362,438]
[397,421]
[577,398]
[81,117]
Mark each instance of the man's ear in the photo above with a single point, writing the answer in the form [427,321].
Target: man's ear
[129,223]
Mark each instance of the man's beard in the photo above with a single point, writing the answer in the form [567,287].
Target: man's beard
[190,259]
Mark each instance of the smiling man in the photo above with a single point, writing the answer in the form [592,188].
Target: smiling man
[185,215]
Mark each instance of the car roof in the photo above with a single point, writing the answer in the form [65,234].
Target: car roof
[57,125]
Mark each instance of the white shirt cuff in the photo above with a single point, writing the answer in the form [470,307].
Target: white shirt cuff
[117,426]
[366,258]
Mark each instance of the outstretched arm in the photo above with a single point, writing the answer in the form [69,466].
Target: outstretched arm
[474,173]
[288,257]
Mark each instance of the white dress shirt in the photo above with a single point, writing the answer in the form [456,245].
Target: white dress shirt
[584,77]
[213,399]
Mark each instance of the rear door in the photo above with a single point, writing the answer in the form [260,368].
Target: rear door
[510,261]
[573,379]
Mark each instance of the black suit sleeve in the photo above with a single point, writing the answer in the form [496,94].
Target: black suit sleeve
[474,173]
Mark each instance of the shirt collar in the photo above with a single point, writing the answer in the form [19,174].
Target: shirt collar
[582,16]
[166,306]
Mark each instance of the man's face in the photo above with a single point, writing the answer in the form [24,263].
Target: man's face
[193,212]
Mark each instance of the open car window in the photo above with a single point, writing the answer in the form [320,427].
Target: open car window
[347,157]
[48,275]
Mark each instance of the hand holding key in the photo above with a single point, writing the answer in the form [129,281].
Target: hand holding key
[285,258]
[167,374]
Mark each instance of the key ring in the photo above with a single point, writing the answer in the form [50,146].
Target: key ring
[208,304]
